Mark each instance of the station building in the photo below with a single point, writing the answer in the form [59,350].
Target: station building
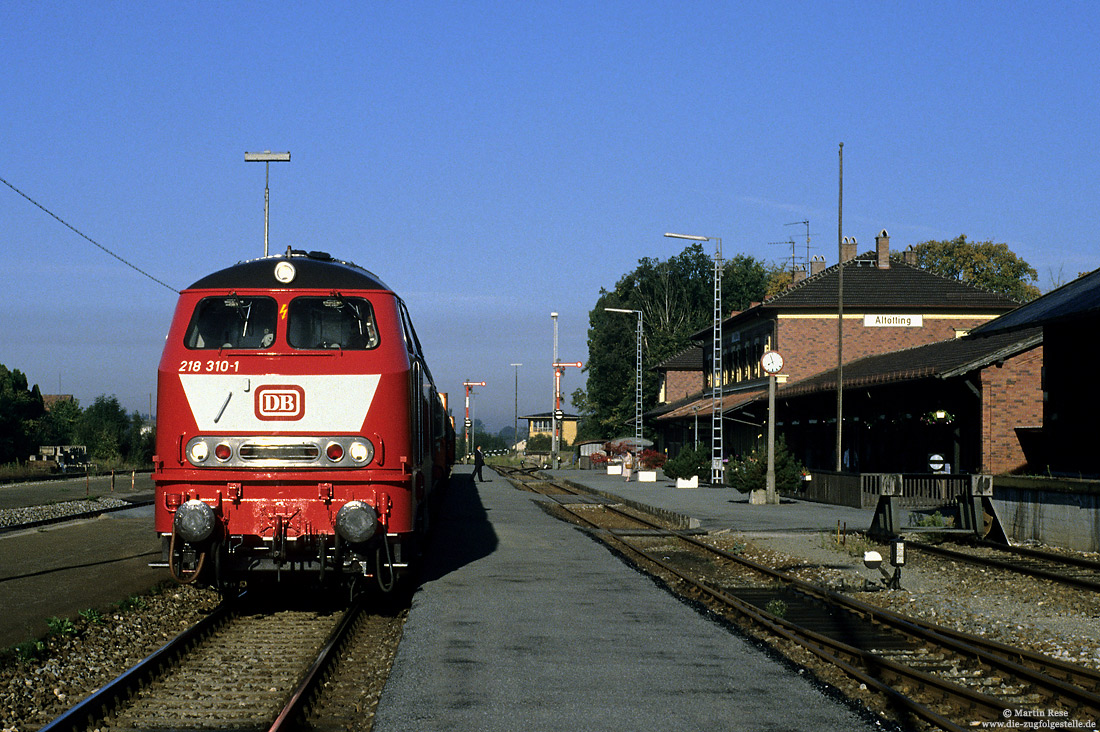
[1064,442]
[542,423]
[890,306]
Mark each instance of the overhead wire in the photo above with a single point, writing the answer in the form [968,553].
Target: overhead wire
[82,235]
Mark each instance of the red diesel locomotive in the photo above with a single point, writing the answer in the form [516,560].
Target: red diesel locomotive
[299,432]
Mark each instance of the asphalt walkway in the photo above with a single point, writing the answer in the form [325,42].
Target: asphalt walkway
[715,509]
[522,622]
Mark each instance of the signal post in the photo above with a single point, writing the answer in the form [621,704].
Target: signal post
[469,386]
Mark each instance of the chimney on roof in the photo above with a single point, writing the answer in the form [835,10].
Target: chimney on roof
[847,248]
[817,265]
[797,276]
[882,247]
[910,256]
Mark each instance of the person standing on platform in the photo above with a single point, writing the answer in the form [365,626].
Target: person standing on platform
[479,463]
[628,465]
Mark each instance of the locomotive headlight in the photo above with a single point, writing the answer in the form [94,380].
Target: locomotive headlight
[223,451]
[194,521]
[199,452]
[361,451]
[356,522]
[334,452]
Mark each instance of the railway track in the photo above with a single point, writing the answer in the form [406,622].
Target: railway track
[238,669]
[1061,568]
[920,671]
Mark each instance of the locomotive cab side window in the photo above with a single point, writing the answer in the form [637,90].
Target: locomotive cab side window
[346,323]
[231,321]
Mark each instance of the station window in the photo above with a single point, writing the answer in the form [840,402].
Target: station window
[231,321]
[338,322]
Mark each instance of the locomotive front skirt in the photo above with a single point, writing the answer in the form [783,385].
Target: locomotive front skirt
[299,432]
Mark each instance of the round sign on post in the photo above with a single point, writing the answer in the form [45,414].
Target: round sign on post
[559,415]
[935,463]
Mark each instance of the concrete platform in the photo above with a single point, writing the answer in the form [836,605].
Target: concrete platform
[715,509]
[522,622]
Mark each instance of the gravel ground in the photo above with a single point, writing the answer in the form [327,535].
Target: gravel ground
[26,514]
[41,680]
[1006,606]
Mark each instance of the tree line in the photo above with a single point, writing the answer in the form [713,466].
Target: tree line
[111,435]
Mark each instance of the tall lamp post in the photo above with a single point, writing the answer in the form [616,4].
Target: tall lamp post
[554,442]
[715,360]
[638,379]
[515,422]
[267,158]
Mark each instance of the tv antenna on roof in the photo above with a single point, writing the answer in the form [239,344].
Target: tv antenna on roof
[794,256]
[808,247]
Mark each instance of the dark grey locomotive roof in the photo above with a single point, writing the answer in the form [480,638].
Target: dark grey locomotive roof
[314,270]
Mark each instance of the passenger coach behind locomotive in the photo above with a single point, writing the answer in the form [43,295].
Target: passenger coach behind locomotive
[299,433]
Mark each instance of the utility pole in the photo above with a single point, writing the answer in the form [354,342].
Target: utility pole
[840,320]
[515,422]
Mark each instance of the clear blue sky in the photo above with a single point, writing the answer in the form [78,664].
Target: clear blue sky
[497,161]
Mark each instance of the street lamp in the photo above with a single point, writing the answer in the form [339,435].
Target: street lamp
[638,379]
[267,158]
[515,423]
[554,441]
[715,360]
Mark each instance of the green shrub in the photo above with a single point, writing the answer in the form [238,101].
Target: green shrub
[91,616]
[691,461]
[133,602]
[29,650]
[61,626]
[750,472]
[776,607]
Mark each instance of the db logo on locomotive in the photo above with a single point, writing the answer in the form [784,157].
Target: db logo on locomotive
[280,403]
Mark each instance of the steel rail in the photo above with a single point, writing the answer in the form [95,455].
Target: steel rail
[299,700]
[1065,579]
[819,645]
[989,653]
[100,702]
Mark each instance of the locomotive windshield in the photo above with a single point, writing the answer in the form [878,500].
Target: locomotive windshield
[331,322]
[232,322]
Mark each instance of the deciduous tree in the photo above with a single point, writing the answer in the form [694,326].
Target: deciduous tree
[20,410]
[985,264]
[676,298]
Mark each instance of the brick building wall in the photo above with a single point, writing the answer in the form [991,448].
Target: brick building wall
[808,342]
[1012,396]
[680,384]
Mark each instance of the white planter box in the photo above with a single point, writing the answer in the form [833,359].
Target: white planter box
[692,482]
[614,469]
[647,476]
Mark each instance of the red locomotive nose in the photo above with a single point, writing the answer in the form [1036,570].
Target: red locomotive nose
[334,451]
